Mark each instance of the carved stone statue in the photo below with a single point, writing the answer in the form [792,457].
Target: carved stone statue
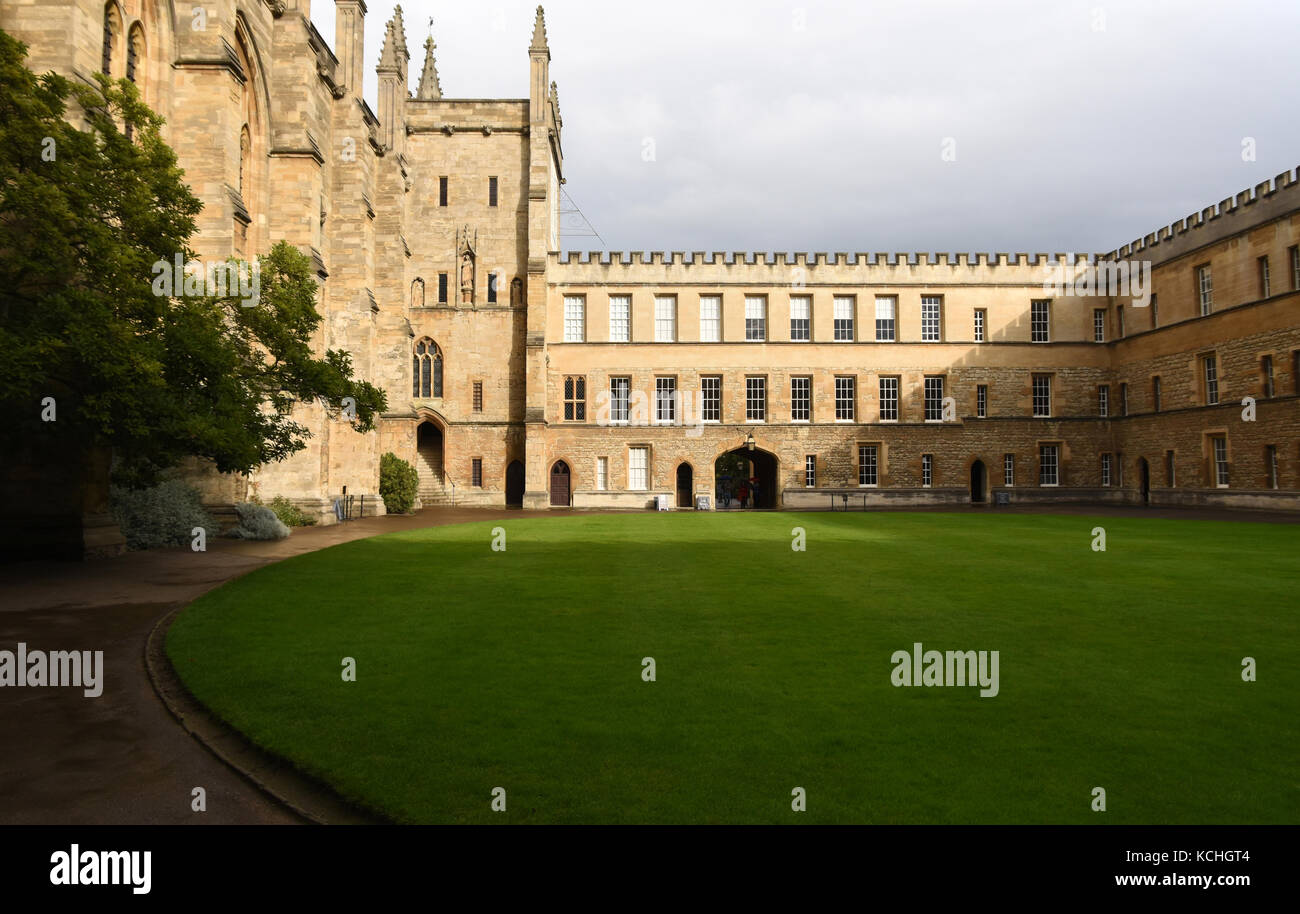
[417,293]
[516,292]
[466,277]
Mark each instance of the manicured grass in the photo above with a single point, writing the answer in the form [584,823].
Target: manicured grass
[522,669]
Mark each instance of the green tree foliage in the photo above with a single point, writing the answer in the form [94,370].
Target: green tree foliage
[91,203]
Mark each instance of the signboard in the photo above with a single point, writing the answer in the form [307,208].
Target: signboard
[701,502]
[1001,498]
[663,503]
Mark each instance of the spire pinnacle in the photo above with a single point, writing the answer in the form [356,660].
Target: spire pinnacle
[394,42]
[539,33]
[430,87]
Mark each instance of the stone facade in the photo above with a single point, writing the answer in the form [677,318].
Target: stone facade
[434,222]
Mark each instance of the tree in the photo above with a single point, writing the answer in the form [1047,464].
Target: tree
[92,207]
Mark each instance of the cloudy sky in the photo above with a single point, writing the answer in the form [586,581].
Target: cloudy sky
[1069,125]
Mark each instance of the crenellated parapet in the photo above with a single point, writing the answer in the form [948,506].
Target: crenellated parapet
[810,268]
[1253,206]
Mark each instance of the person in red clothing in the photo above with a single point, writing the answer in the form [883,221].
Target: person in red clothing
[743,494]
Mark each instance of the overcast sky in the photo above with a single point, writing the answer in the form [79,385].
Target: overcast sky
[1075,125]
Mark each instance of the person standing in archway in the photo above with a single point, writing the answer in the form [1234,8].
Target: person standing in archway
[756,488]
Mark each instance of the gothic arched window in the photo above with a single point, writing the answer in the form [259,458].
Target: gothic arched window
[112,37]
[426,369]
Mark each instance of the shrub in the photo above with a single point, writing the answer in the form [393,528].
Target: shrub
[289,513]
[258,522]
[398,483]
[163,515]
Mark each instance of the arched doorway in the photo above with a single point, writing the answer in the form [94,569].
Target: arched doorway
[429,462]
[1145,469]
[685,486]
[979,477]
[560,485]
[742,465]
[515,484]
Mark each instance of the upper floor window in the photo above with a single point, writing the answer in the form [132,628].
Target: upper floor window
[1211,366]
[885,314]
[426,369]
[1099,325]
[931,317]
[442,191]
[981,317]
[1205,289]
[1040,321]
[575,318]
[1155,394]
[575,398]
[1042,395]
[492,191]
[710,318]
[1266,372]
[846,395]
[934,398]
[844,306]
[620,318]
[800,318]
[1295,268]
[665,318]
[1265,285]
[755,318]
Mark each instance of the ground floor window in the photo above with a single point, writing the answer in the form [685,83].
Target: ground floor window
[1170,479]
[1105,469]
[1220,461]
[602,474]
[1048,465]
[1270,465]
[810,471]
[927,470]
[638,466]
[1009,469]
[867,465]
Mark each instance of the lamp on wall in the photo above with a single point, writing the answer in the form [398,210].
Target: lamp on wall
[750,443]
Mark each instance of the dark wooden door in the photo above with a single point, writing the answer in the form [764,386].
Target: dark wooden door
[515,484]
[560,485]
[685,486]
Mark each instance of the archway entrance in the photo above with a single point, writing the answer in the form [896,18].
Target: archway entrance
[685,486]
[515,484]
[560,485]
[978,482]
[429,462]
[743,467]
[1145,469]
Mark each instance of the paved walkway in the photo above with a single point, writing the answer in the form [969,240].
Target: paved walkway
[122,758]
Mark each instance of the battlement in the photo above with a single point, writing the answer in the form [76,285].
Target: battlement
[1266,200]
[777,267]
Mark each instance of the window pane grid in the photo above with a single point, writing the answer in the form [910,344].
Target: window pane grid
[755,318]
[1042,395]
[867,465]
[620,318]
[665,319]
[885,311]
[575,314]
[800,319]
[843,317]
[933,399]
[889,399]
[1047,465]
[711,399]
[710,319]
[800,399]
[930,306]
[756,399]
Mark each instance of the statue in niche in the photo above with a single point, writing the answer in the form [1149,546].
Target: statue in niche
[467,251]
[467,277]
[516,292]
[417,293]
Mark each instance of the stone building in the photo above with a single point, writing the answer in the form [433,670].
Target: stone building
[517,374]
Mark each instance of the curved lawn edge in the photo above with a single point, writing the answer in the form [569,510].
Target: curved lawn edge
[304,768]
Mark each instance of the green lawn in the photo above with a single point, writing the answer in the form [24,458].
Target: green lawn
[522,669]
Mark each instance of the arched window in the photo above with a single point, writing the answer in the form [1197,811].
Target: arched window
[112,38]
[135,56]
[426,369]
